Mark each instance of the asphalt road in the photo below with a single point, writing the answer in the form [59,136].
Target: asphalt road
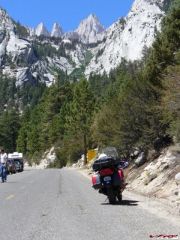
[61,205]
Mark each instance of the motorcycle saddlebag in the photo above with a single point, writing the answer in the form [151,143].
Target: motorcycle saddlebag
[96,181]
[104,162]
[118,178]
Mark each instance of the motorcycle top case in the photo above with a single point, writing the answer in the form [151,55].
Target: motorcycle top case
[104,162]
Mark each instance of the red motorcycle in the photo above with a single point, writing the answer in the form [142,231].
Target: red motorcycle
[109,178]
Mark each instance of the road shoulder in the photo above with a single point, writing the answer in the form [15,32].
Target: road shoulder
[155,206]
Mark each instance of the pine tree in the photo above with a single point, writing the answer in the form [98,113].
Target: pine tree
[80,116]
[9,124]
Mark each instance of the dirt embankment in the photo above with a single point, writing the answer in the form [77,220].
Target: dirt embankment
[158,178]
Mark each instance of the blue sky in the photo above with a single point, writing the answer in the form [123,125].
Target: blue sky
[68,13]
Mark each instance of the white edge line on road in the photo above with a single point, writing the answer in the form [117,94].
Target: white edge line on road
[10,197]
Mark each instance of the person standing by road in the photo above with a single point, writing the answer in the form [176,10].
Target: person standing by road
[3,161]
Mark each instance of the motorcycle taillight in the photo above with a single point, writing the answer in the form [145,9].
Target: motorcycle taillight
[106,172]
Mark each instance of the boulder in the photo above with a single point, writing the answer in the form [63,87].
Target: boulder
[149,177]
[140,160]
[177,178]
[152,154]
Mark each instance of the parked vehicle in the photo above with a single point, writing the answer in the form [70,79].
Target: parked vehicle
[108,177]
[19,165]
[10,166]
[17,158]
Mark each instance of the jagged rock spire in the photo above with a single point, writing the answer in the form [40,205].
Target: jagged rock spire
[56,30]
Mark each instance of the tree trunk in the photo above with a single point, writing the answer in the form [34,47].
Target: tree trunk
[85,149]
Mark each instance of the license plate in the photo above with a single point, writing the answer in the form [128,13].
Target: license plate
[107,179]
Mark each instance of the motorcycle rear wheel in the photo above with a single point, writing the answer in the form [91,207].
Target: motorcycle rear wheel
[119,197]
[111,196]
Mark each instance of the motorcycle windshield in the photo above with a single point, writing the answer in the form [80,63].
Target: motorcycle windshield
[110,152]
